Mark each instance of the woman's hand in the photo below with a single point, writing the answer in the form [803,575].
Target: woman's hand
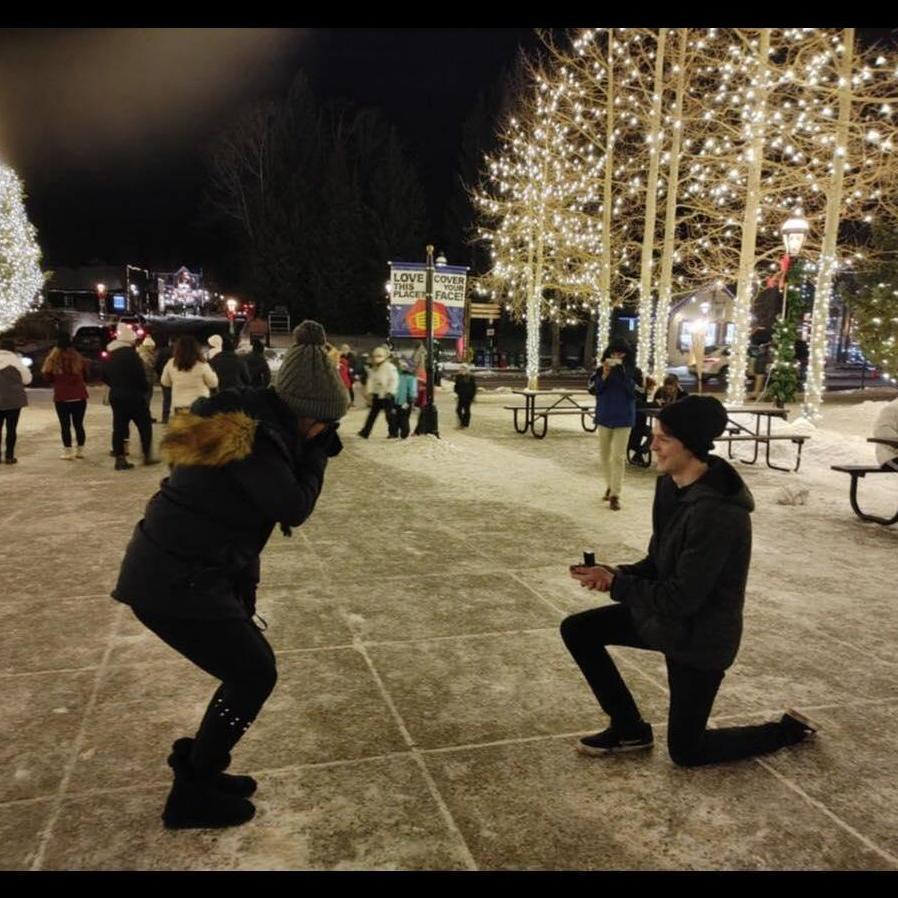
[309,428]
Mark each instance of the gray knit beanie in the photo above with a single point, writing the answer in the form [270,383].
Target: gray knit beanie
[308,381]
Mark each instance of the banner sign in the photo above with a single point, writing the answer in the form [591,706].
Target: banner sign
[408,307]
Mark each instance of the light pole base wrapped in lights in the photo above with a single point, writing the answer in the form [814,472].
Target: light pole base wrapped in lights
[428,421]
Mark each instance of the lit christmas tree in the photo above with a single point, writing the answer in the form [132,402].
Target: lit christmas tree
[20,273]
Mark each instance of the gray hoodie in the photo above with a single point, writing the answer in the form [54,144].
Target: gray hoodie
[686,596]
[14,377]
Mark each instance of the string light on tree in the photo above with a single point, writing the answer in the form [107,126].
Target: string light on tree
[20,273]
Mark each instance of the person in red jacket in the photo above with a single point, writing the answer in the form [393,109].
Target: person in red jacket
[66,367]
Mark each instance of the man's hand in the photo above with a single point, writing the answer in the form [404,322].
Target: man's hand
[597,577]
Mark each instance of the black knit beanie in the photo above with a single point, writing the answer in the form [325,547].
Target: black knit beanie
[695,421]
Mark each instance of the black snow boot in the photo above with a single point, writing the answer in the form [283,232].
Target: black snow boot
[241,786]
[122,463]
[195,803]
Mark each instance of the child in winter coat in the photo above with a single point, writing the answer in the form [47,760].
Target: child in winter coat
[65,367]
[14,377]
[406,393]
[466,390]
[382,384]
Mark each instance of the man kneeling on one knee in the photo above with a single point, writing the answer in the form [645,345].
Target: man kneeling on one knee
[683,599]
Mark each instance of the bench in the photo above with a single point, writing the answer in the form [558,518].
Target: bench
[858,471]
[757,439]
[586,413]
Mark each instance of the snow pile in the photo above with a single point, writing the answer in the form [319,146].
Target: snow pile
[794,493]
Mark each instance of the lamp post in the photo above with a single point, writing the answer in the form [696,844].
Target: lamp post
[101,301]
[428,421]
[794,231]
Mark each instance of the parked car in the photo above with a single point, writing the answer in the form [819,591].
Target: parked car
[716,364]
[91,343]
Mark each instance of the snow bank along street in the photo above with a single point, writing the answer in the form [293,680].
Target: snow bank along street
[426,712]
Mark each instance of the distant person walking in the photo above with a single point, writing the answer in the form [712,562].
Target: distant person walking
[346,368]
[189,377]
[163,354]
[406,394]
[14,377]
[229,367]
[383,381]
[147,353]
[615,415]
[65,368]
[124,373]
[257,365]
[465,390]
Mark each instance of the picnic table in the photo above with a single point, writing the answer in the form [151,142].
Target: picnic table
[552,402]
[858,471]
[738,432]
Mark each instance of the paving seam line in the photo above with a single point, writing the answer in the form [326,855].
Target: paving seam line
[825,810]
[448,819]
[867,654]
[47,832]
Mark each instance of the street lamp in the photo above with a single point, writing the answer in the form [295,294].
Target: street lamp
[427,420]
[795,232]
[101,301]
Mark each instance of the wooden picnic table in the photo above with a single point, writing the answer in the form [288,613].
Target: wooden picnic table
[738,432]
[555,402]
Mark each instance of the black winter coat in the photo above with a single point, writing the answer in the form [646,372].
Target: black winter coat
[259,371]
[239,468]
[162,356]
[125,374]
[686,596]
[231,370]
[466,387]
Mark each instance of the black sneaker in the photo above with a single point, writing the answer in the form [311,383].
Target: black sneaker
[610,741]
[798,727]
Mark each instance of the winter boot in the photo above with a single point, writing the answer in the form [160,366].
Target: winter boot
[79,452]
[148,460]
[239,786]
[122,463]
[195,803]
[614,503]
[607,495]
[68,454]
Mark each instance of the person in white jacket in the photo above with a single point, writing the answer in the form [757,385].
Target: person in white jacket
[189,377]
[886,428]
[382,383]
[14,377]
[215,344]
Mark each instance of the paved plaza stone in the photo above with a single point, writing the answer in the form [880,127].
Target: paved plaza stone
[426,711]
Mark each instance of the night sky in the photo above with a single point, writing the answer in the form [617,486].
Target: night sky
[107,126]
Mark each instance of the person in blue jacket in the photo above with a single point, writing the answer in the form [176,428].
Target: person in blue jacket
[615,386]
[406,393]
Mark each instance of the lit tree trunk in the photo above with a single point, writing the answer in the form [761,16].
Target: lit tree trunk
[813,388]
[556,345]
[665,287]
[589,344]
[534,297]
[742,306]
[644,347]
[603,321]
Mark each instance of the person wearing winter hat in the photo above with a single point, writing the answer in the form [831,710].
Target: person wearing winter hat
[124,373]
[242,462]
[382,383]
[214,343]
[615,388]
[684,599]
[465,390]
[406,393]
[14,377]
[147,353]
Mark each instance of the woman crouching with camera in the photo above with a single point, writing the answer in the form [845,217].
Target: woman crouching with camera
[241,462]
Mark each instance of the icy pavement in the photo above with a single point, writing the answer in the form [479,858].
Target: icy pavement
[426,712]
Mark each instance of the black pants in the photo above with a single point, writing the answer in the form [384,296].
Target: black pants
[233,651]
[463,410]
[399,425]
[10,417]
[692,693]
[378,403]
[166,404]
[124,411]
[71,413]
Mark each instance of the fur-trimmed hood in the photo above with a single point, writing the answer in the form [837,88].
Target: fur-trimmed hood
[212,441]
